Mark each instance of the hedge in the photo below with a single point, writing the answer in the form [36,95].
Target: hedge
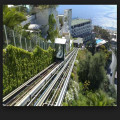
[20,65]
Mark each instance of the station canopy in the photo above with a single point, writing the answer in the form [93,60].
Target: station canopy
[79,21]
[60,40]
[34,27]
[79,40]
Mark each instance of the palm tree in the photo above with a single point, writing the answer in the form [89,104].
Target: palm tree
[12,17]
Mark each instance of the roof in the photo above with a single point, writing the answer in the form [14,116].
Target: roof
[79,40]
[60,41]
[10,5]
[79,21]
[34,27]
[61,15]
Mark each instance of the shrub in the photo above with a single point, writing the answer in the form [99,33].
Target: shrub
[72,75]
[20,65]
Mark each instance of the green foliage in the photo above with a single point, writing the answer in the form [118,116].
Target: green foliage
[75,38]
[108,88]
[51,32]
[83,67]
[21,9]
[75,64]
[61,21]
[108,55]
[97,98]
[96,70]
[72,75]
[91,68]
[11,17]
[91,46]
[104,95]
[90,98]
[46,6]
[86,85]
[26,26]
[20,65]
[101,33]
[64,104]
[72,46]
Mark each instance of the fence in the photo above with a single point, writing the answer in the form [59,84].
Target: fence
[14,38]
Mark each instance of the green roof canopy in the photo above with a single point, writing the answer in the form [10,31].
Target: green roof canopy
[79,21]
[79,40]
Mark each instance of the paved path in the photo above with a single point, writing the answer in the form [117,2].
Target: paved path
[112,67]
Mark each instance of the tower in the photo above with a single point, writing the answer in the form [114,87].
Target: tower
[68,17]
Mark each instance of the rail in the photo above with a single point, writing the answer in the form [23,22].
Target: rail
[36,88]
[51,86]
[63,91]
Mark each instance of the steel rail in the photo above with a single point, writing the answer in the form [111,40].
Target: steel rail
[24,84]
[52,84]
[18,90]
[62,93]
[64,78]
[23,92]
[37,94]
[52,101]
[39,85]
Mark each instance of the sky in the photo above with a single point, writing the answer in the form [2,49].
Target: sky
[102,15]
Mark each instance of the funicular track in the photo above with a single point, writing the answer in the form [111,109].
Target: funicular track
[50,95]
[15,96]
[18,93]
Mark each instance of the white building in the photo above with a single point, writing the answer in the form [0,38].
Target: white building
[114,37]
[66,21]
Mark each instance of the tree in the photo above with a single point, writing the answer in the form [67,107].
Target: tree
[97,72]
[51,32]
[11,17]
[101,33]
[61,21]
[91,46]
[108,55]
[92,68]
[83,69]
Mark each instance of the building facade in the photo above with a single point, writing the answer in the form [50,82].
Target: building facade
[68,17]
[81,28]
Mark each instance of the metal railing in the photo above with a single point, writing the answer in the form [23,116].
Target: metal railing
[14,38]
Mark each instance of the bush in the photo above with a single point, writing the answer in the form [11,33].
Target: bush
[75,64]
[97,98]
[20,65]
[72,75]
